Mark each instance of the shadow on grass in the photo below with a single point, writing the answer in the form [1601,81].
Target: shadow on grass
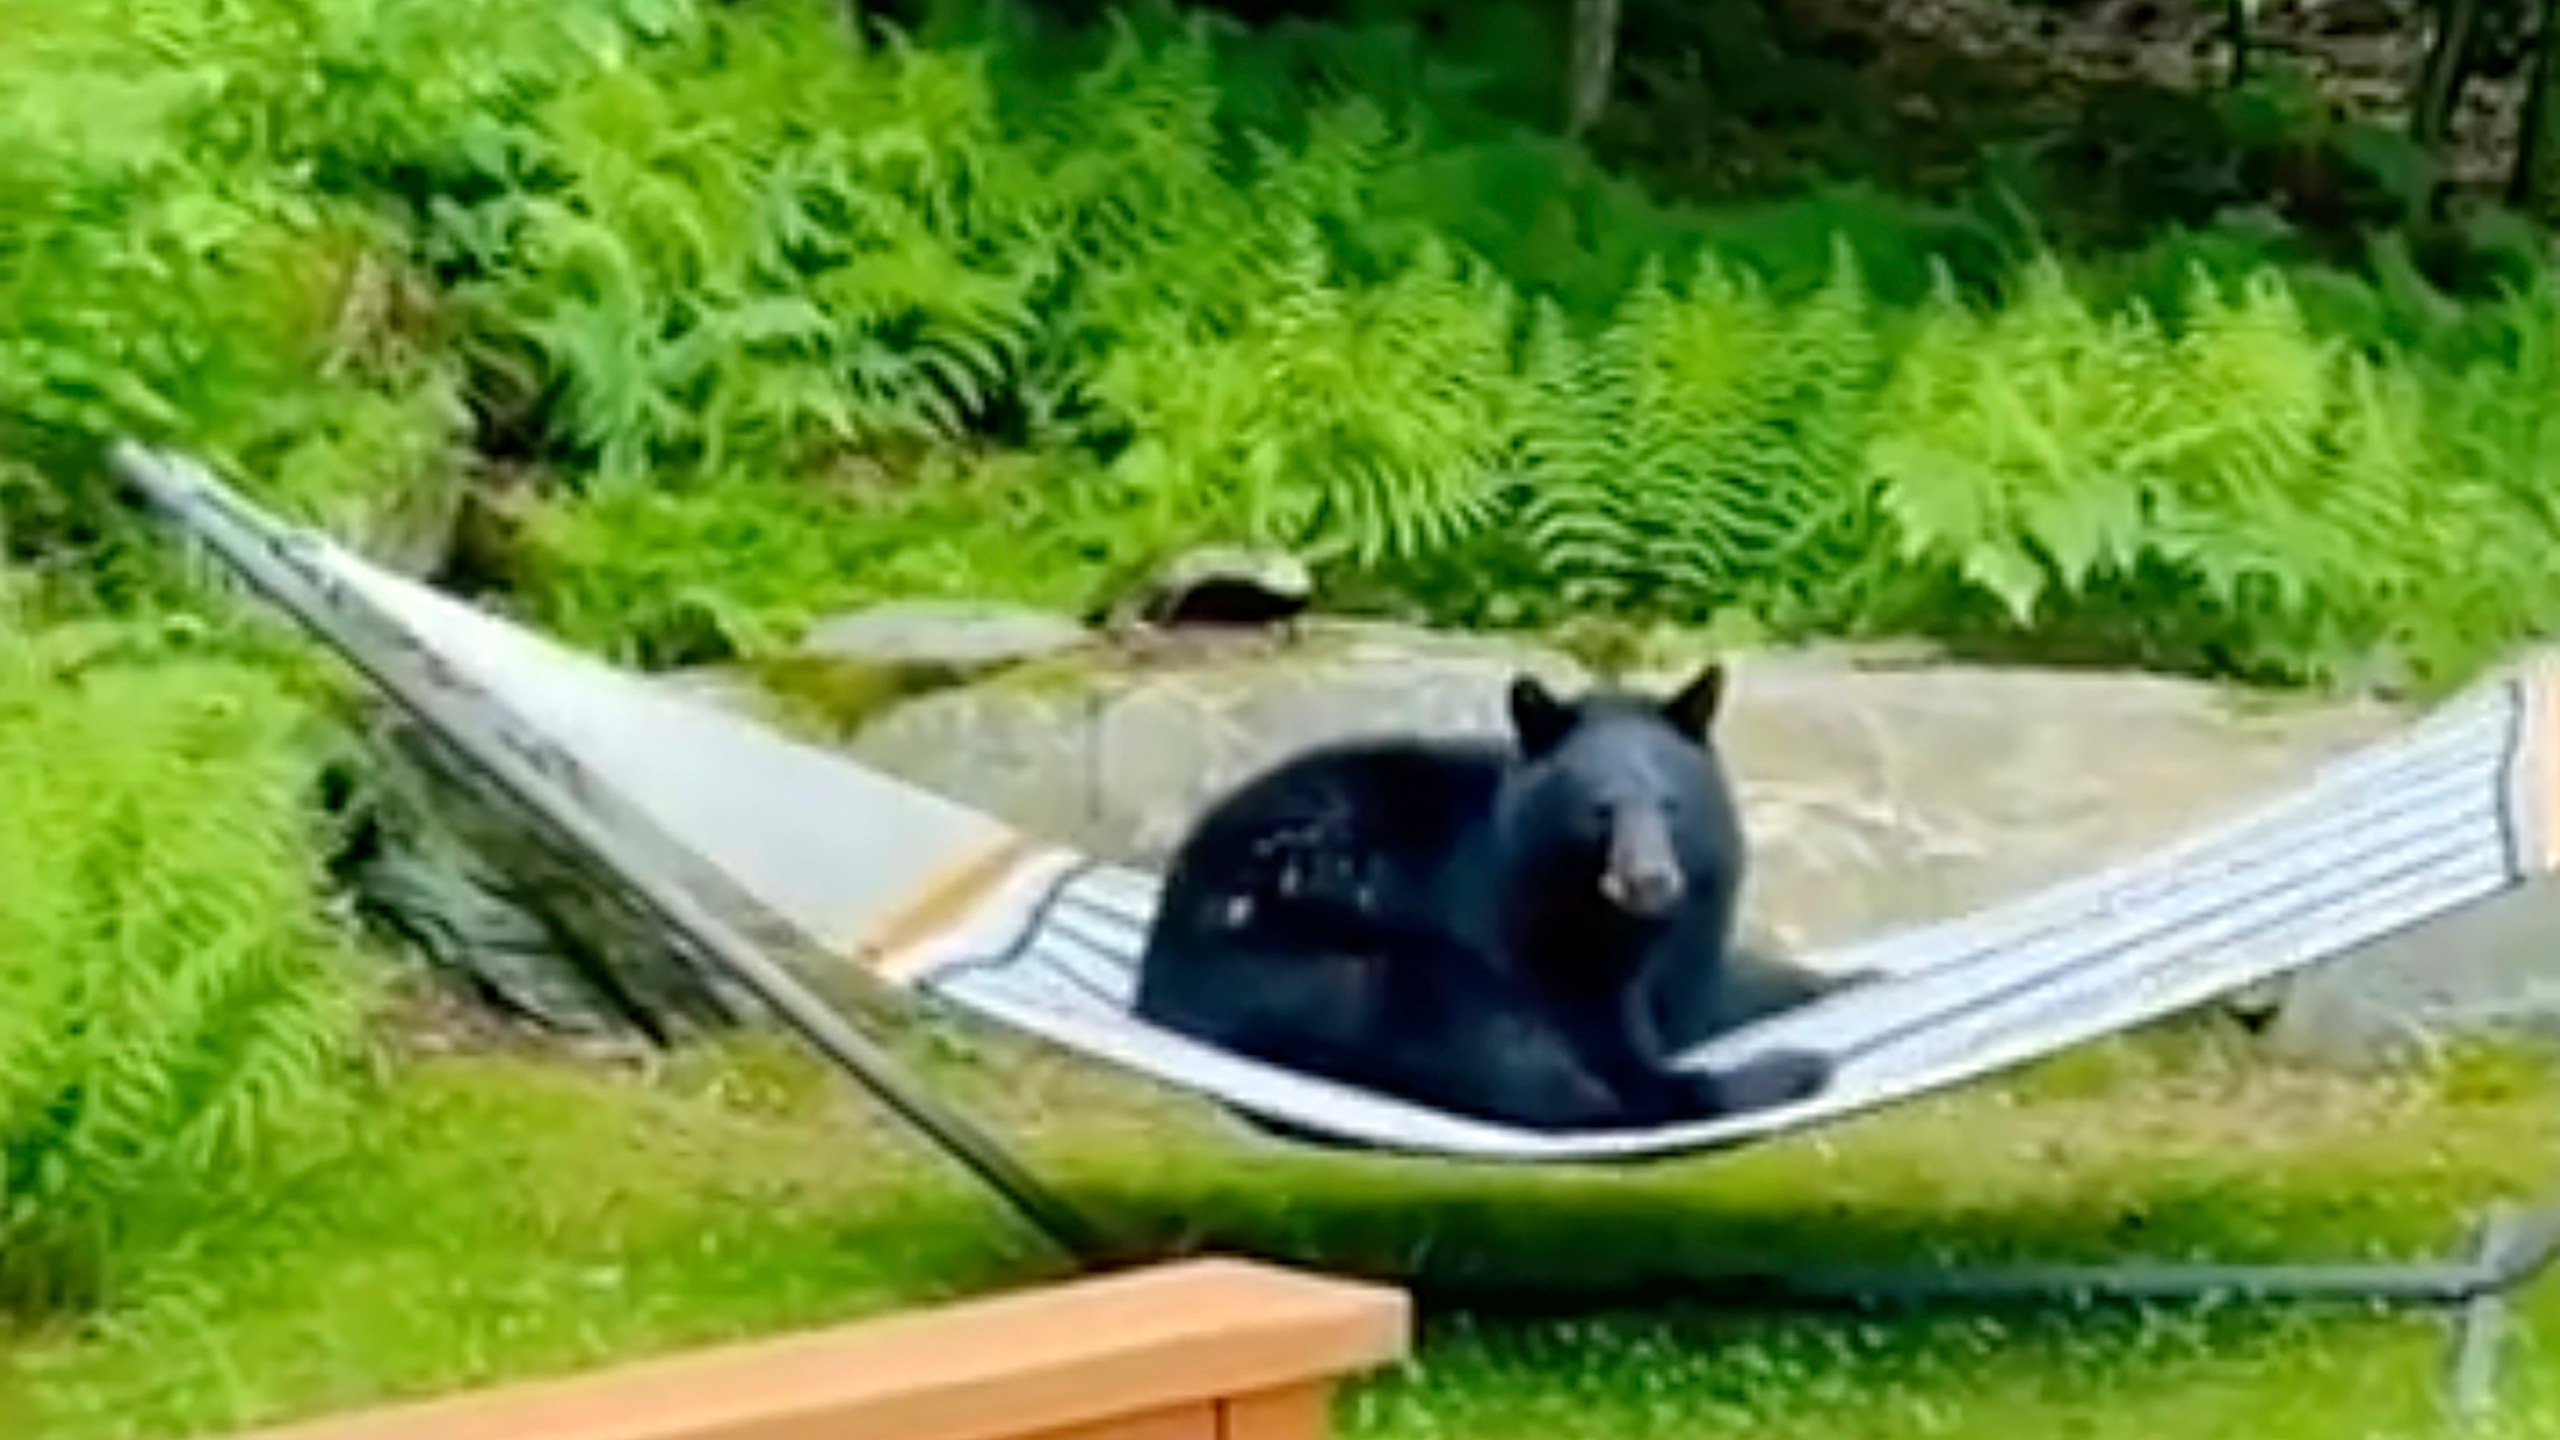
[1519,1246]
[1637,1290]
[1958,1186]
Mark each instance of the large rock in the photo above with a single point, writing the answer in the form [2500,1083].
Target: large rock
[1875,795]
[1117,754]
[1879,796]
[2491,970]
[960,636]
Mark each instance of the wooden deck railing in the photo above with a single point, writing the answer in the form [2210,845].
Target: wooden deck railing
[1198,1350]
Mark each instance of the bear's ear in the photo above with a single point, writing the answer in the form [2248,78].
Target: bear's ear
[1693,711]
[1538,715]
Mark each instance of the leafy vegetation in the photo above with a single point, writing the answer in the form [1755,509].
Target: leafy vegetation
[171,1002]
[166,268]
[730,315]
[1695,450]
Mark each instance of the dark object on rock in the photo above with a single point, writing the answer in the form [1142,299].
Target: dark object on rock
[1218,585]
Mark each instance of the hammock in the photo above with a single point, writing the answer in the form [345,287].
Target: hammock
[778,861]
[816,852]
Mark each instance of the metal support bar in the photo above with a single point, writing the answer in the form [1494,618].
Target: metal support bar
[2481,1321]
[2517,1255]
[2489,1273]
[182,490]
[2512,1248]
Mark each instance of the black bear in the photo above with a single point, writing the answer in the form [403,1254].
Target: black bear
[1523,930]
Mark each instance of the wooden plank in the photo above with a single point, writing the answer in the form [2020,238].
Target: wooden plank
[1182,1422]
[1296,1412]
[1078,1354]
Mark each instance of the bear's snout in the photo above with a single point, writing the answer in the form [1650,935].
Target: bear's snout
[1643,892]
[1643,875]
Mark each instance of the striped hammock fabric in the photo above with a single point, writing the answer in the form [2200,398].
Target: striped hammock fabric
[934,897]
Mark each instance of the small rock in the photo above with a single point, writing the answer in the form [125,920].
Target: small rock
[962,636]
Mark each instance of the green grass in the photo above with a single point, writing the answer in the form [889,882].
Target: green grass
[512,1214]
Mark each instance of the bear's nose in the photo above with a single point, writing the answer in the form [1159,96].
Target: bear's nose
[1649,890]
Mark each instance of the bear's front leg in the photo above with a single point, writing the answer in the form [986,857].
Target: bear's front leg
[1652,1092]
[1467,1042]
[1777,1077]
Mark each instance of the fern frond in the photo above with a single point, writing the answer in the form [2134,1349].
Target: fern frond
[1365,421]
[1687,451]
[171,1005]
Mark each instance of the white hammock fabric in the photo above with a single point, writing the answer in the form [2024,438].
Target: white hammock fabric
[937,897]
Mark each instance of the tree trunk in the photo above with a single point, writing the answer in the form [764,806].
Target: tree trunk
[2446,71]
[1595,57]
[2535,185]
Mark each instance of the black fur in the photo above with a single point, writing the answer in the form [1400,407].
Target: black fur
[1523,931]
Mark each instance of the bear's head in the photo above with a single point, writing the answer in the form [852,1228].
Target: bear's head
[1621,797]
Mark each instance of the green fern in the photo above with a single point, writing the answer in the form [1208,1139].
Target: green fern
[2480,583]
[1160,226]
[169,1005]
[1694,447]
[706,278]
[2048,452]
[1365,421]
